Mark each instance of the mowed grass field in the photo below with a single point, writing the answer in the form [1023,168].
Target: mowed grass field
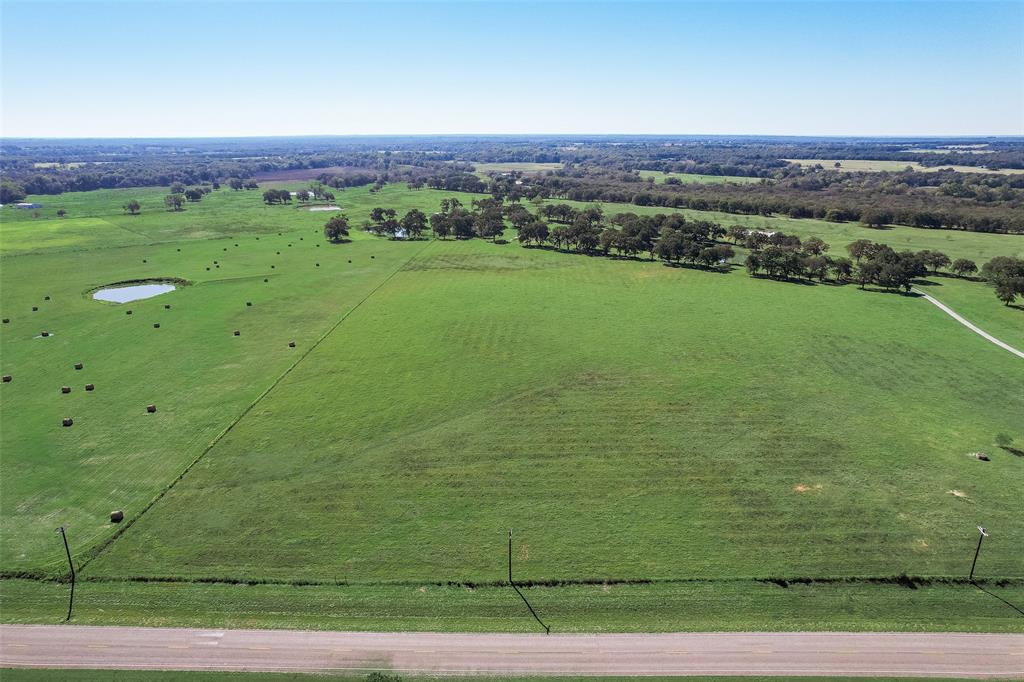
[896,166]
[635,424]
[511,166]
[698,178]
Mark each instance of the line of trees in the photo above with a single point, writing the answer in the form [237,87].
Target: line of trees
[870,206]
[675,240]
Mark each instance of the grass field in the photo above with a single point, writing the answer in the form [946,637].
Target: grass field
[637,425]
[699,179]
[520,166]
[896,166]
[693,606]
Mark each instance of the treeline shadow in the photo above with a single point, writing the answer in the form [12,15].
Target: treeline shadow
[791,280]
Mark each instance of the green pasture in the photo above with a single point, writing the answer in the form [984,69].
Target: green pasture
[631,422]
[699,179]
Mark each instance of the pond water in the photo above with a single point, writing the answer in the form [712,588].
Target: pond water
[132,293]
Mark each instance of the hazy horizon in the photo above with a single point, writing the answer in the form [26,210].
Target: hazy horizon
[695,136]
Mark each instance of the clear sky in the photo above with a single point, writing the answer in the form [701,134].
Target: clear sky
[140,69]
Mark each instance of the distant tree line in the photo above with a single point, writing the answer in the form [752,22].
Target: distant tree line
[926,208]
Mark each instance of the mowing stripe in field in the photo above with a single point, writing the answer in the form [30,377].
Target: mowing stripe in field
[95,552]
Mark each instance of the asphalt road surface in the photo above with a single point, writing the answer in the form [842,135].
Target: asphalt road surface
[796,653]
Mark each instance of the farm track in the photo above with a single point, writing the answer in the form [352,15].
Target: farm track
[96,551]
[967,323]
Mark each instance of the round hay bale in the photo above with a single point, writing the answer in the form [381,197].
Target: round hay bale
[156,325]
[67,421]
[238,333]
[981,456]
[79,365]
[127,312]
[65,389]
[44,334]
[291,344]
[90,387]
[8,378]
[151,408]
[116,516]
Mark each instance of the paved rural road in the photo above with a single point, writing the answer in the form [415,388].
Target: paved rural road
[977,330]
[798,653]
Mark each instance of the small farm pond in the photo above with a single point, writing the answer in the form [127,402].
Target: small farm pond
[131,293]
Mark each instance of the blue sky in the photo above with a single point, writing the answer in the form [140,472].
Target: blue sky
[193,68]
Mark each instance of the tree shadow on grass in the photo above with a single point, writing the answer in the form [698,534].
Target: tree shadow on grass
[787,280]
[891,292]
[721,270]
